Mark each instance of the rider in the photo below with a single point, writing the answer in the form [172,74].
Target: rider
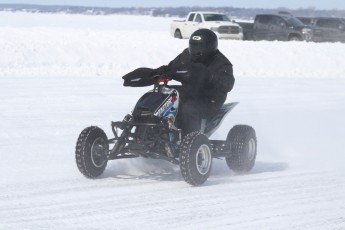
[206,77]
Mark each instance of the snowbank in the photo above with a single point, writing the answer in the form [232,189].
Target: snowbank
[81,45]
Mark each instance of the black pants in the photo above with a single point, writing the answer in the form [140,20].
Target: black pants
[191,112]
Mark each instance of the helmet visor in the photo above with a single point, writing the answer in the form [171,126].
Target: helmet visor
[196,52]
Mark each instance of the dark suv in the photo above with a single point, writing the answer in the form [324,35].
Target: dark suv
[326,29]
[280,27]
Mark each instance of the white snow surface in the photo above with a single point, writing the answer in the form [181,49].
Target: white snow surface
[61,73]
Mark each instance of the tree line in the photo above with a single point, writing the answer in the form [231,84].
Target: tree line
[234,12]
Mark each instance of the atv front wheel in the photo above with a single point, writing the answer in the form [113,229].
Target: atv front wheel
[91,152]
[195,158]
[243,146]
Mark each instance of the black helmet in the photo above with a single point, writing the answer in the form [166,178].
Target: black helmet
[203,43]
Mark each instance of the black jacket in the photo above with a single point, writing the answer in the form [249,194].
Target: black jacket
[208,81]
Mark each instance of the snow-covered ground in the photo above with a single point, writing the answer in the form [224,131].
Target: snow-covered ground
[62,73]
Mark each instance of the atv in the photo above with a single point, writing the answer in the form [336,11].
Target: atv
[150,132]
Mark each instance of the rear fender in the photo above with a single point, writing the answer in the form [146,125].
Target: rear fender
[213,123]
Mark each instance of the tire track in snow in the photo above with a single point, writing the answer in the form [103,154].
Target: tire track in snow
[252,200]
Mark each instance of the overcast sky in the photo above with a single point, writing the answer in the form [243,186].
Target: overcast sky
[292,4]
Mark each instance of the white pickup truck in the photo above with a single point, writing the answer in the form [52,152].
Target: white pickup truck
[217,22]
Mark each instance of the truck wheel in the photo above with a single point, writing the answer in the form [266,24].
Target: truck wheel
[195,158]
[295,38]
[178,34]
[91,152]
[243,146]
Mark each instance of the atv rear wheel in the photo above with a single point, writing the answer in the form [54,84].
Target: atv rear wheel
[243,147]
[195,158]
[91,152]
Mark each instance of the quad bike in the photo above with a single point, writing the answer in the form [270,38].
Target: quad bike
[150,132]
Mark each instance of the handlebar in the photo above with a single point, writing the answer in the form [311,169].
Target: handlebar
[160,82]
[163,80]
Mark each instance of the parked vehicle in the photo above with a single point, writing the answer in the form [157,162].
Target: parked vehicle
[281,27]
[217,22]
[326,29]
[247,28]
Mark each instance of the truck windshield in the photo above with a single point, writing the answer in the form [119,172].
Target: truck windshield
[216,17]
[294,21]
